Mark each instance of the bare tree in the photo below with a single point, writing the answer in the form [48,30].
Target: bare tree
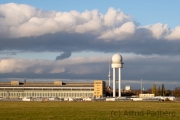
[176,92]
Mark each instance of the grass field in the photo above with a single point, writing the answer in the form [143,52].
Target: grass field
[90,110]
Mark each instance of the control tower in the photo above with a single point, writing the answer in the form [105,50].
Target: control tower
[116,64]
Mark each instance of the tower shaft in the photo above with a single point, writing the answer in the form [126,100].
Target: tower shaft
[119,82]
[114,82]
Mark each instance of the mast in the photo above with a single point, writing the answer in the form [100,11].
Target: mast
[109,75]
[141,86]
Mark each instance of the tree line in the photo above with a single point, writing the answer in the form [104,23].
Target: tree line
[159,91]
[156,90]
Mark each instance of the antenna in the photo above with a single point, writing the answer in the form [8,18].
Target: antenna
[141,86]
[109,75]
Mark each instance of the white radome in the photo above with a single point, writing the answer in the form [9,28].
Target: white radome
[116,58]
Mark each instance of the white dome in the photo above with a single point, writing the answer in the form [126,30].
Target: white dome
[117,58]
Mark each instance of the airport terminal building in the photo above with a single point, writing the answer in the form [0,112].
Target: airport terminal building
[17,89]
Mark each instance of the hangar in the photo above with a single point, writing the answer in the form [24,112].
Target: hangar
[17,89]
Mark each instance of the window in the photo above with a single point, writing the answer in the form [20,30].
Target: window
[98,82]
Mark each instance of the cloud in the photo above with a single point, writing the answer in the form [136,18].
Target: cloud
[64,55]
[33,66]
[123,32]
[36,30]
[14,65]
[174,35]
[8,53]
[154,49]
[159,30]
[151,67]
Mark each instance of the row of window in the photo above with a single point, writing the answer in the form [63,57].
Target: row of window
[44,94]
[97,82]
[41,89]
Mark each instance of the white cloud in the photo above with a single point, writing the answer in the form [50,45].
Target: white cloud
[88,27]
[10,65]
[175,34]
[159,30]
[76,65]
[123,32]
[15,14]
[135,67]
[20,20]
[29,21]
[25,28]
[115,18]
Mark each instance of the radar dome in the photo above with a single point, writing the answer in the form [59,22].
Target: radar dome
[117,58]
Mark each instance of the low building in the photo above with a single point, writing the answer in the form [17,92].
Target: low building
[128,88]
[146,95]
[17,89]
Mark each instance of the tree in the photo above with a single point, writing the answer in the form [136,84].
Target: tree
[154,89]
[168,93]
[163,90]
[159,91]
[177,92]
[149,90]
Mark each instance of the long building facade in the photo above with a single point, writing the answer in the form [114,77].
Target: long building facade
[17,89]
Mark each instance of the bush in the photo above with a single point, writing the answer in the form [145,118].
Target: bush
[167,99]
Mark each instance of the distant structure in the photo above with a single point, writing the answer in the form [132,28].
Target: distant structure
[128,87]
[141,86]
[109,76]
[116,64]
[58,88]
[146,95]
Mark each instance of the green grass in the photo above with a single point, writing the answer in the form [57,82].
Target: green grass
[89,110]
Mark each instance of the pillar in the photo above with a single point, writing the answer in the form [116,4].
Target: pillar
[119,82]
[114,82]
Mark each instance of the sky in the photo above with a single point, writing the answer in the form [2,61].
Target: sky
[76,40]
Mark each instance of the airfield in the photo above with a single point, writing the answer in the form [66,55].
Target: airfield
[99,110]
[60,100]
